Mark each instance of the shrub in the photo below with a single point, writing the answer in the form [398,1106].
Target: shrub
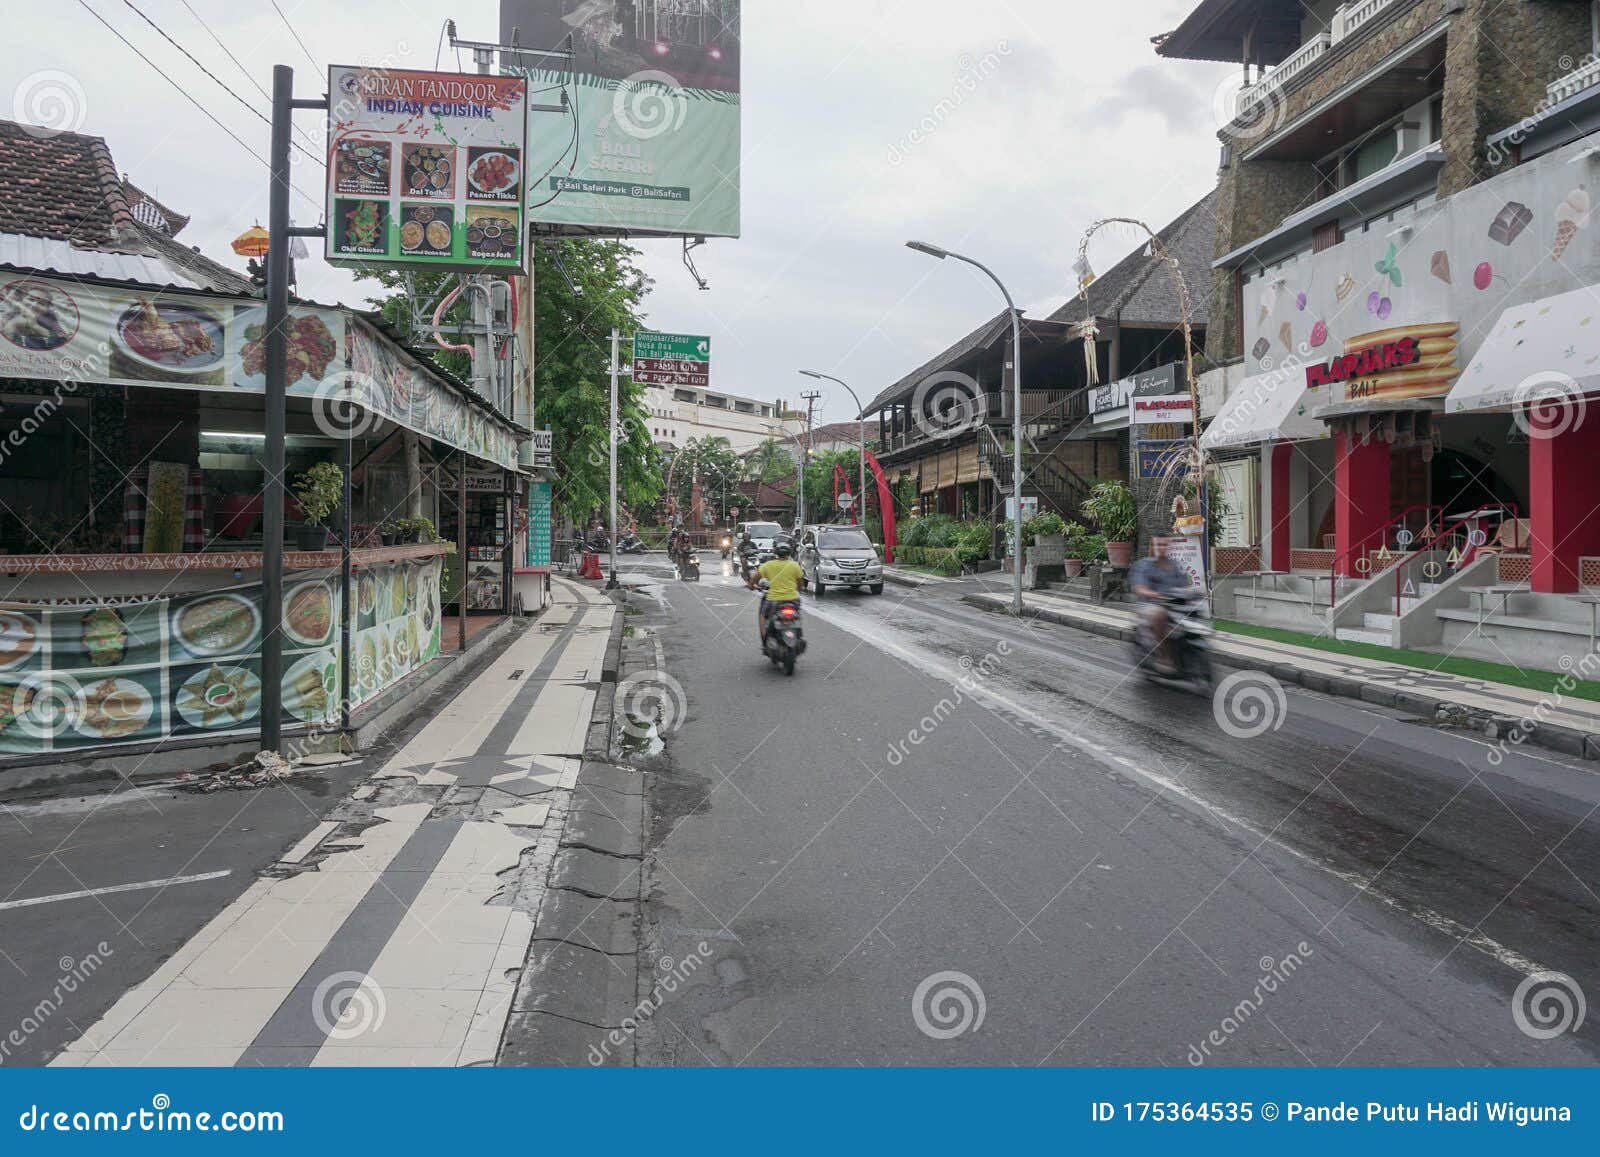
[1091,548]
[1047,523]
[1111,507]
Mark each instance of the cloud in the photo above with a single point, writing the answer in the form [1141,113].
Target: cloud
[1161,90]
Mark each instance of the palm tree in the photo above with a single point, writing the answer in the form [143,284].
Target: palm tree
[769,461]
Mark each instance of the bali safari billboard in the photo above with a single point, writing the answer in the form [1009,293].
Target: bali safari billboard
[426,169]
[648,140]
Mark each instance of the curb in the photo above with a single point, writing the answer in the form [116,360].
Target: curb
[902,579]
[1509,728]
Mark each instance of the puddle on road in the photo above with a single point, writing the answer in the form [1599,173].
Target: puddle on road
[639,737]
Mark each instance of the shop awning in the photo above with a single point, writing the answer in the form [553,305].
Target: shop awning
[1270,407]
[1536,351]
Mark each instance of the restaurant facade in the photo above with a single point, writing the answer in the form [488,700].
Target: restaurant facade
[1414,354]
[131,434]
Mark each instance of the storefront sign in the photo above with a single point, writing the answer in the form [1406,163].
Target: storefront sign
[1109,403]
[486,482]
[1412,362]
[1171,408]
[77,331]
[539,503]
[1159,459]
[649,139]
[426,169]
[1185,552]
[543,449]
[85,677]
[671,359]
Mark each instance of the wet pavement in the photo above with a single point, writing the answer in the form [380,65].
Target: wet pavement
[957,838]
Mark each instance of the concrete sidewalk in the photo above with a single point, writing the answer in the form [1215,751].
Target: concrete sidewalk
[395,933]
[1516,715]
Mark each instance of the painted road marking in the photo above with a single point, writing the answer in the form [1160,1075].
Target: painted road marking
[115,888]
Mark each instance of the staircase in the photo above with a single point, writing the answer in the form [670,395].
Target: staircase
[1044,476]
[1377,629]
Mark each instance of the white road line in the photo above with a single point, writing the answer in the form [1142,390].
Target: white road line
[116,888]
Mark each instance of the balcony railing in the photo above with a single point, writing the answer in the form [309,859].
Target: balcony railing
[1292,66]
[1348,20]
[1585,76]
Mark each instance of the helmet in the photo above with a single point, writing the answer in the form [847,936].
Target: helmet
[783,548]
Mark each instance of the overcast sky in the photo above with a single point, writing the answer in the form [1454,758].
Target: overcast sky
[1068,116]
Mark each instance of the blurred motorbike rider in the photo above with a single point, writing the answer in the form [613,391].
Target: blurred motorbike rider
[1156,578]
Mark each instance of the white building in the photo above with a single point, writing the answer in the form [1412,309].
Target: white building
[681,414]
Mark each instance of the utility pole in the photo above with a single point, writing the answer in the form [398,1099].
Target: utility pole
[810,400]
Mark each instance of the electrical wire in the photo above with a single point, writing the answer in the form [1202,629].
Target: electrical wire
[296,36]
[220,83]
[192,99]
[239,64]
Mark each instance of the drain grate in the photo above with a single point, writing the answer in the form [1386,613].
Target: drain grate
[518,673]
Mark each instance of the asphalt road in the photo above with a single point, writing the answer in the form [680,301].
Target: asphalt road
[97,889]
[1115,878]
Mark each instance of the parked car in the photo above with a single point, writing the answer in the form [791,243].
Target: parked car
[839,556]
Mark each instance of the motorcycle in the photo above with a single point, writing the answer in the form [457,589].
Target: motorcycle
[1189,639]
[630,543]
[689,565]
[782,640]
[751,557]
[726,543]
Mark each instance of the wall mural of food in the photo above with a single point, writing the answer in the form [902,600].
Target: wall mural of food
[78,677]
[56,330]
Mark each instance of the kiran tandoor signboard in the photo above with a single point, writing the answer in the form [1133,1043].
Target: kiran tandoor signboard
[426,169]
[648,140]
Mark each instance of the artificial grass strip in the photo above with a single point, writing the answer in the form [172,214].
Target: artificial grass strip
[1547,681]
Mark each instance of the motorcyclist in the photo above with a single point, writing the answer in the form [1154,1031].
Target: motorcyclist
[1154,580]
[746,548]
[783,577]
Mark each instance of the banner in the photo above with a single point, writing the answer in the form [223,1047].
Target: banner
[425,169]
[59,330]
[88,676]
[649,142]
[1186,555]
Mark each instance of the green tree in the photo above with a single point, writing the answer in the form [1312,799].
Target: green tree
[583,288]
[820,506]
[719,469]
[769,462]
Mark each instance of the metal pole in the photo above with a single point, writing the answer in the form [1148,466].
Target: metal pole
[1016,451]
[277,362]
[345,571]
[461,550]
[616,357]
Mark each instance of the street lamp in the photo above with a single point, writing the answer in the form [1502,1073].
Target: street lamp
[1016,412]
[861,417]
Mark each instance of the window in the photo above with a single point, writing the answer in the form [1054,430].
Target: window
[745,407]
[685,396]
[716,403]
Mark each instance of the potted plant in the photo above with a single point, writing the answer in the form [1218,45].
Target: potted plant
[1072,539]
[1048,530]
[409,530]
[1111,507]
[320,492]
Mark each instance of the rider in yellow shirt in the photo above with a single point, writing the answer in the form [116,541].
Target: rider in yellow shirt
[783,576]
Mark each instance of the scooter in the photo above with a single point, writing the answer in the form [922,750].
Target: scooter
[689,565]
[1189,638]
[726,543]
[782,640]
[630,543]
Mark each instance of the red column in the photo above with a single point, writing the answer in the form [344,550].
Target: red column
[1278,538]
[1361,498]
[1564,488]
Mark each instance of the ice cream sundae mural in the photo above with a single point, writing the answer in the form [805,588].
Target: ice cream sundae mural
[1524,235]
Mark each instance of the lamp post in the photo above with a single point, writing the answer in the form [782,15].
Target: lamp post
[861,418]
[1016,412]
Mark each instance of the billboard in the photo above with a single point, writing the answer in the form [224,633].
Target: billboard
[648,143]
[426,169]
